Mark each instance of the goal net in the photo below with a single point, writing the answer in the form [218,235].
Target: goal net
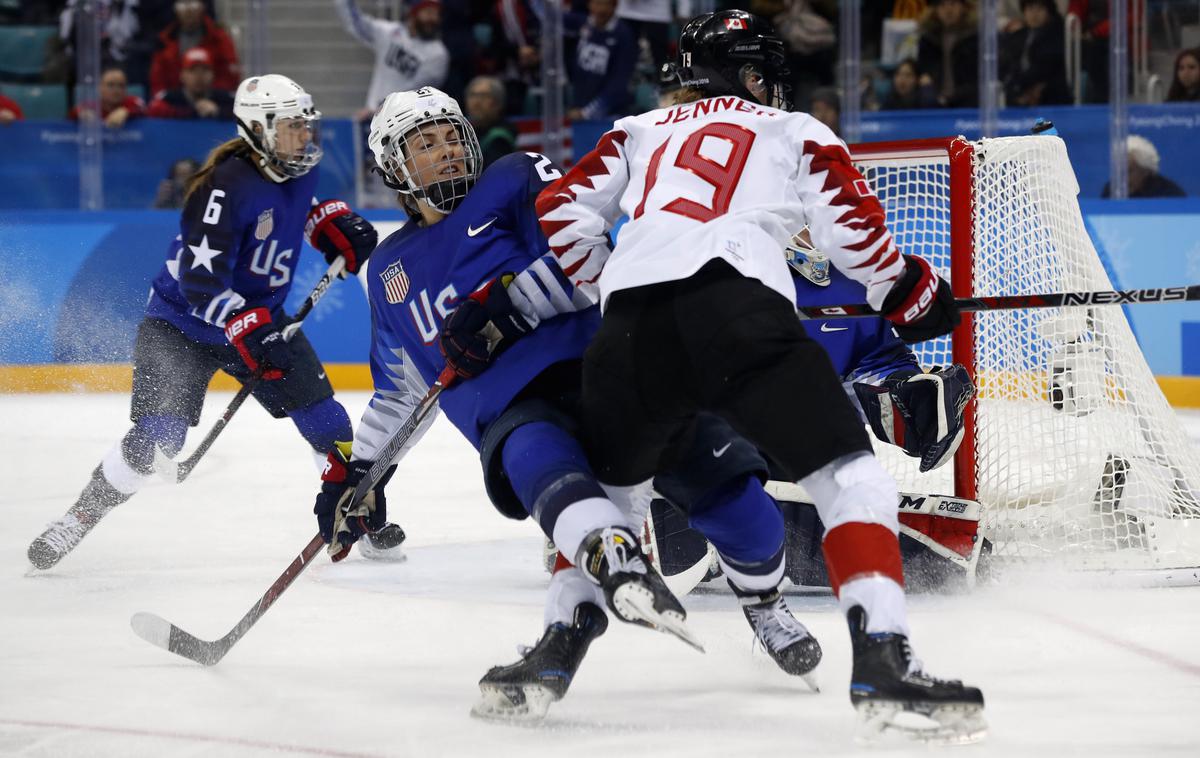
[1070,445]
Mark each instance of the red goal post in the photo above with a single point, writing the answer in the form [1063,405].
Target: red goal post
[1070,446]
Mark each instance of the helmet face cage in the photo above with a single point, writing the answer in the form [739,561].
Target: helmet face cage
[293,143]
[437,160]
[277,117]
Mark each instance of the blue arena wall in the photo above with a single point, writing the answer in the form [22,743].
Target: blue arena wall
[75,284]
[40,166]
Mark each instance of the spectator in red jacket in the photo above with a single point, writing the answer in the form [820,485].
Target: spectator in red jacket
[197,98]
[116,104]
[9,111]
[193,28]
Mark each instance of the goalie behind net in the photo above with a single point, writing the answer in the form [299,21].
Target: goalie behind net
[1074,452]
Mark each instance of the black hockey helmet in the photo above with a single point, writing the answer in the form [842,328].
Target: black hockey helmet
[719,51]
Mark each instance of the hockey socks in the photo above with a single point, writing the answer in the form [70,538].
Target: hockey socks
[551,477]
[864,570]
[746,527]
[568,589]
[322,424]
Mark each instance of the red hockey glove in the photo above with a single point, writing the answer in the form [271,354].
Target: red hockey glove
[336,230]
[259,342]
[920,303]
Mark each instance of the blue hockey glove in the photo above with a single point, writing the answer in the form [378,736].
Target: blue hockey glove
[342,522]
[919,412]
[481,328]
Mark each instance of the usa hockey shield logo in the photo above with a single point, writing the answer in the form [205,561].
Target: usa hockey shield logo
[266,223]
[395,283]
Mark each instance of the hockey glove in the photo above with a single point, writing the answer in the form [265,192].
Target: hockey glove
[919,412]
[340,520]
[920,303]
[481,327]
[259,342]
[336,230]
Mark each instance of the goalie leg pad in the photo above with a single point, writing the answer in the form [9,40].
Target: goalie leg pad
[746,527]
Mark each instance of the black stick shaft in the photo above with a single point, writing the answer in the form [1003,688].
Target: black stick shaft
[1010,302]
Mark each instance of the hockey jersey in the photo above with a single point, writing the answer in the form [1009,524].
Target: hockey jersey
[239,242]
[861,349]
[720,178]
[419,274]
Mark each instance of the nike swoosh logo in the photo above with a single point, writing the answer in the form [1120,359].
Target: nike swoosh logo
[472,231]
[828,328]
[321,375]
[718,453]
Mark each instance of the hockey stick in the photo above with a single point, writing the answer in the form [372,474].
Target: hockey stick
[177,471]
[162,633]
[1009,302]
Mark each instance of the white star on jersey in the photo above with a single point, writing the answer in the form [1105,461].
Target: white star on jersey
[204,254]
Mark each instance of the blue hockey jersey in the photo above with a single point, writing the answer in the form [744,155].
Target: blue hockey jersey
[239,242]
[862,349]
[419,274]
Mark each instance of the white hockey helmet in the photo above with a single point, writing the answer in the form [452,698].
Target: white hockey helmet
[265,105]
[431,164]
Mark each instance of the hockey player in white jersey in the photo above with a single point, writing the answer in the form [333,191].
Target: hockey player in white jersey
[699,316]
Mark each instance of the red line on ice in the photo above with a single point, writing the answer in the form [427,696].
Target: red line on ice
[187,736]
[1146,652]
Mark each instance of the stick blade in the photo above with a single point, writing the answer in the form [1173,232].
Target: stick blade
[162,633]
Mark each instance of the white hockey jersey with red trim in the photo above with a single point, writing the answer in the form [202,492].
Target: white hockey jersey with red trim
[718,178]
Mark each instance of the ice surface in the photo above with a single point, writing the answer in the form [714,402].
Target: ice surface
[363,659]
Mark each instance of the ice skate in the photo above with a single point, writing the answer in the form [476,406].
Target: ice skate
[384,545]
[97,499]
[793,648]
[524,691]
[633,589]
[894,696]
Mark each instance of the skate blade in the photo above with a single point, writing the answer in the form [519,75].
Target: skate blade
[635,604]
[372,553]
[519,704]
[928,723]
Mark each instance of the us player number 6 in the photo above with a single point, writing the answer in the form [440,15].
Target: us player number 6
[212,211]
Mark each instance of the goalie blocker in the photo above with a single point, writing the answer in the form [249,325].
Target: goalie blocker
[939,542]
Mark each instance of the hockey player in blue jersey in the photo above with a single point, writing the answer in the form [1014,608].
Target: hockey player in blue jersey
[218,301]
[715,486]
[463,284]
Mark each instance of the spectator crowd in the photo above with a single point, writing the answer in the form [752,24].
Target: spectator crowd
[175,59]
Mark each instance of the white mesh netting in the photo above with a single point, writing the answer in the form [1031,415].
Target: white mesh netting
[1078,456]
